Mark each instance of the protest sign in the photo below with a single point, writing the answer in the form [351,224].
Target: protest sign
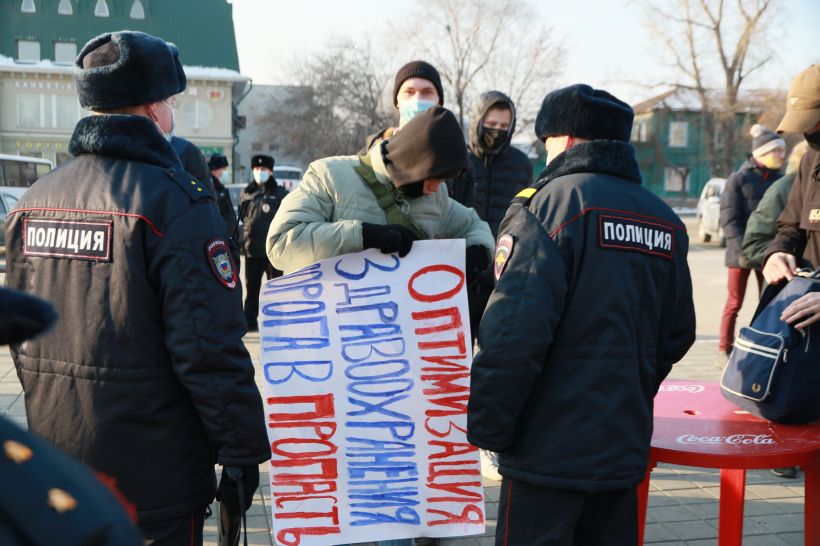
[366,364]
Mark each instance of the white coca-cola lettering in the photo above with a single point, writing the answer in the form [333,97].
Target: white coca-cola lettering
[734,439]
[682,388]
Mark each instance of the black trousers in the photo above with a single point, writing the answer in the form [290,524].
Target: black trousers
[254,269]
[537,516]
[184,531]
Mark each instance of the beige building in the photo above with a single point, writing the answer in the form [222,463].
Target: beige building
[39,108]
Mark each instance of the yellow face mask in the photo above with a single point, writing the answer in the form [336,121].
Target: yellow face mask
[771,161]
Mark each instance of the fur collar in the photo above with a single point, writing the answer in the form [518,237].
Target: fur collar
[123,137]
[612,157]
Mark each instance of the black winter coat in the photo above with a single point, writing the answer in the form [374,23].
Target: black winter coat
[799,223]
[225,206]
[257,212]
[145,376]
[743,191]
[494,175]
[593,308]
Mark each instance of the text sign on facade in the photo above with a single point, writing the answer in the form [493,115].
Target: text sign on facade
[366,362]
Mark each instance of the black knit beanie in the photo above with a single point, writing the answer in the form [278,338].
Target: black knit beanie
[127,68]
[418,69]
[584,112]
[431,145]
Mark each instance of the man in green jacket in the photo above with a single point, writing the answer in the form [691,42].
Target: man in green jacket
[762,225]
[335,210]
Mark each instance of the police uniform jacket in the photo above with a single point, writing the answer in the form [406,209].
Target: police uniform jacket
[592,307]
[742,193]
[799,224]
[259,206]
[225,205]
[145,376]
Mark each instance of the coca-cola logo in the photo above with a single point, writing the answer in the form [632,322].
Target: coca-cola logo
[734,439]
[682,388]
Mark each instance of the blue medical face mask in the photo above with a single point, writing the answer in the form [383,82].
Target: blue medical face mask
[408,109]
[169,135]
[261,176]
[225,176]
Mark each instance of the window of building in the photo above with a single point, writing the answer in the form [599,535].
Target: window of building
[101,9]
[28,110]
[678,134]
[65,52]
[640,131]
[676,179]
[65,8]
[137,10]
[196,114]
[256,147]
[66,111]
[41,111]
[28,6]
[28,51]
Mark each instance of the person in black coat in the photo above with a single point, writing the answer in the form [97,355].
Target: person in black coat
[743,191]
[497,171]
[145,377]
[218,164]
[592,307]
[260,203]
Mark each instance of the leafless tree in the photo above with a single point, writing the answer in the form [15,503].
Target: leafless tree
[340,101]
[478,45]
[715,45]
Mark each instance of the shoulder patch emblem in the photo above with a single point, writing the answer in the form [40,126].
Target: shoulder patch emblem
[637,235]
[503,251]
[221,261]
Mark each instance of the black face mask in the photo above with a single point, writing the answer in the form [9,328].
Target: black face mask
[493,139]
[813,139]
[412,191]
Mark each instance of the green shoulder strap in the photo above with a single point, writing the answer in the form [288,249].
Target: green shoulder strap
[385,199]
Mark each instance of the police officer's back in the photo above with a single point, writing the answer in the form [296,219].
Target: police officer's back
[145,377]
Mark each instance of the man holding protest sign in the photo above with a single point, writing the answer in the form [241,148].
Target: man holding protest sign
[386,199]
[592,308]
[145,376]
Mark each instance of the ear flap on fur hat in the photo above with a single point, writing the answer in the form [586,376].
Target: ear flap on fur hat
[145,70]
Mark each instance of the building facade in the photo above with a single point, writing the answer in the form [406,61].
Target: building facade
[39,40]
[670,140]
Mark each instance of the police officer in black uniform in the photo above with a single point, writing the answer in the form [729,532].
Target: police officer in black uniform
[145,377]
[593,306]
[218,165]
[260,203]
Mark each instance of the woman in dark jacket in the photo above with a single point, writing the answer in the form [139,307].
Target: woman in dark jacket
[744,190]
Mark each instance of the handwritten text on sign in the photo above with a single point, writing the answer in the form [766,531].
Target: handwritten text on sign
[366,360]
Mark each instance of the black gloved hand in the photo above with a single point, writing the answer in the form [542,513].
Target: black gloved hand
[389,238]
[228,490]
[477,262]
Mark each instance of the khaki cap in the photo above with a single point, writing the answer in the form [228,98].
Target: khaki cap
[803,104]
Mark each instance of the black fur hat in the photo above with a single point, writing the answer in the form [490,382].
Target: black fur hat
[127,68]
[217,161]
[584,112]
[262,160]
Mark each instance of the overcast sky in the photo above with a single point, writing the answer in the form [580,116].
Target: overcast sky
[606,40]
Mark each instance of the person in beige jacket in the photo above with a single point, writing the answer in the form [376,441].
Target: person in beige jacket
[335,209]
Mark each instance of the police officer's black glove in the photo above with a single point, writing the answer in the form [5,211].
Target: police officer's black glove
[389,238]
[232,476]
[477,262]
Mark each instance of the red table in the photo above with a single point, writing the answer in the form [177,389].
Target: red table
[696,426]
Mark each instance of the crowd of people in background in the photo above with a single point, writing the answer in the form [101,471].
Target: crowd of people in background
[135,243]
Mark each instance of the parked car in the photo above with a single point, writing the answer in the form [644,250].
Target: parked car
[709,211]
[288,177]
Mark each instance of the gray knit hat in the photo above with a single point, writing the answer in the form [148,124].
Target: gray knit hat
[764,140]
[127,68]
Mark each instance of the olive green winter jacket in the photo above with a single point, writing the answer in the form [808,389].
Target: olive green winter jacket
[323,216]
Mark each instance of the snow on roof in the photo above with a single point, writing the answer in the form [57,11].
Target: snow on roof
[7,64]
[686,99]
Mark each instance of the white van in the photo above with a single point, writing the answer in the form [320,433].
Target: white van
[288,177]
[18,172]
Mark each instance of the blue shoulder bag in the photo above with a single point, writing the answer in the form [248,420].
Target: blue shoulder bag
[774,369]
